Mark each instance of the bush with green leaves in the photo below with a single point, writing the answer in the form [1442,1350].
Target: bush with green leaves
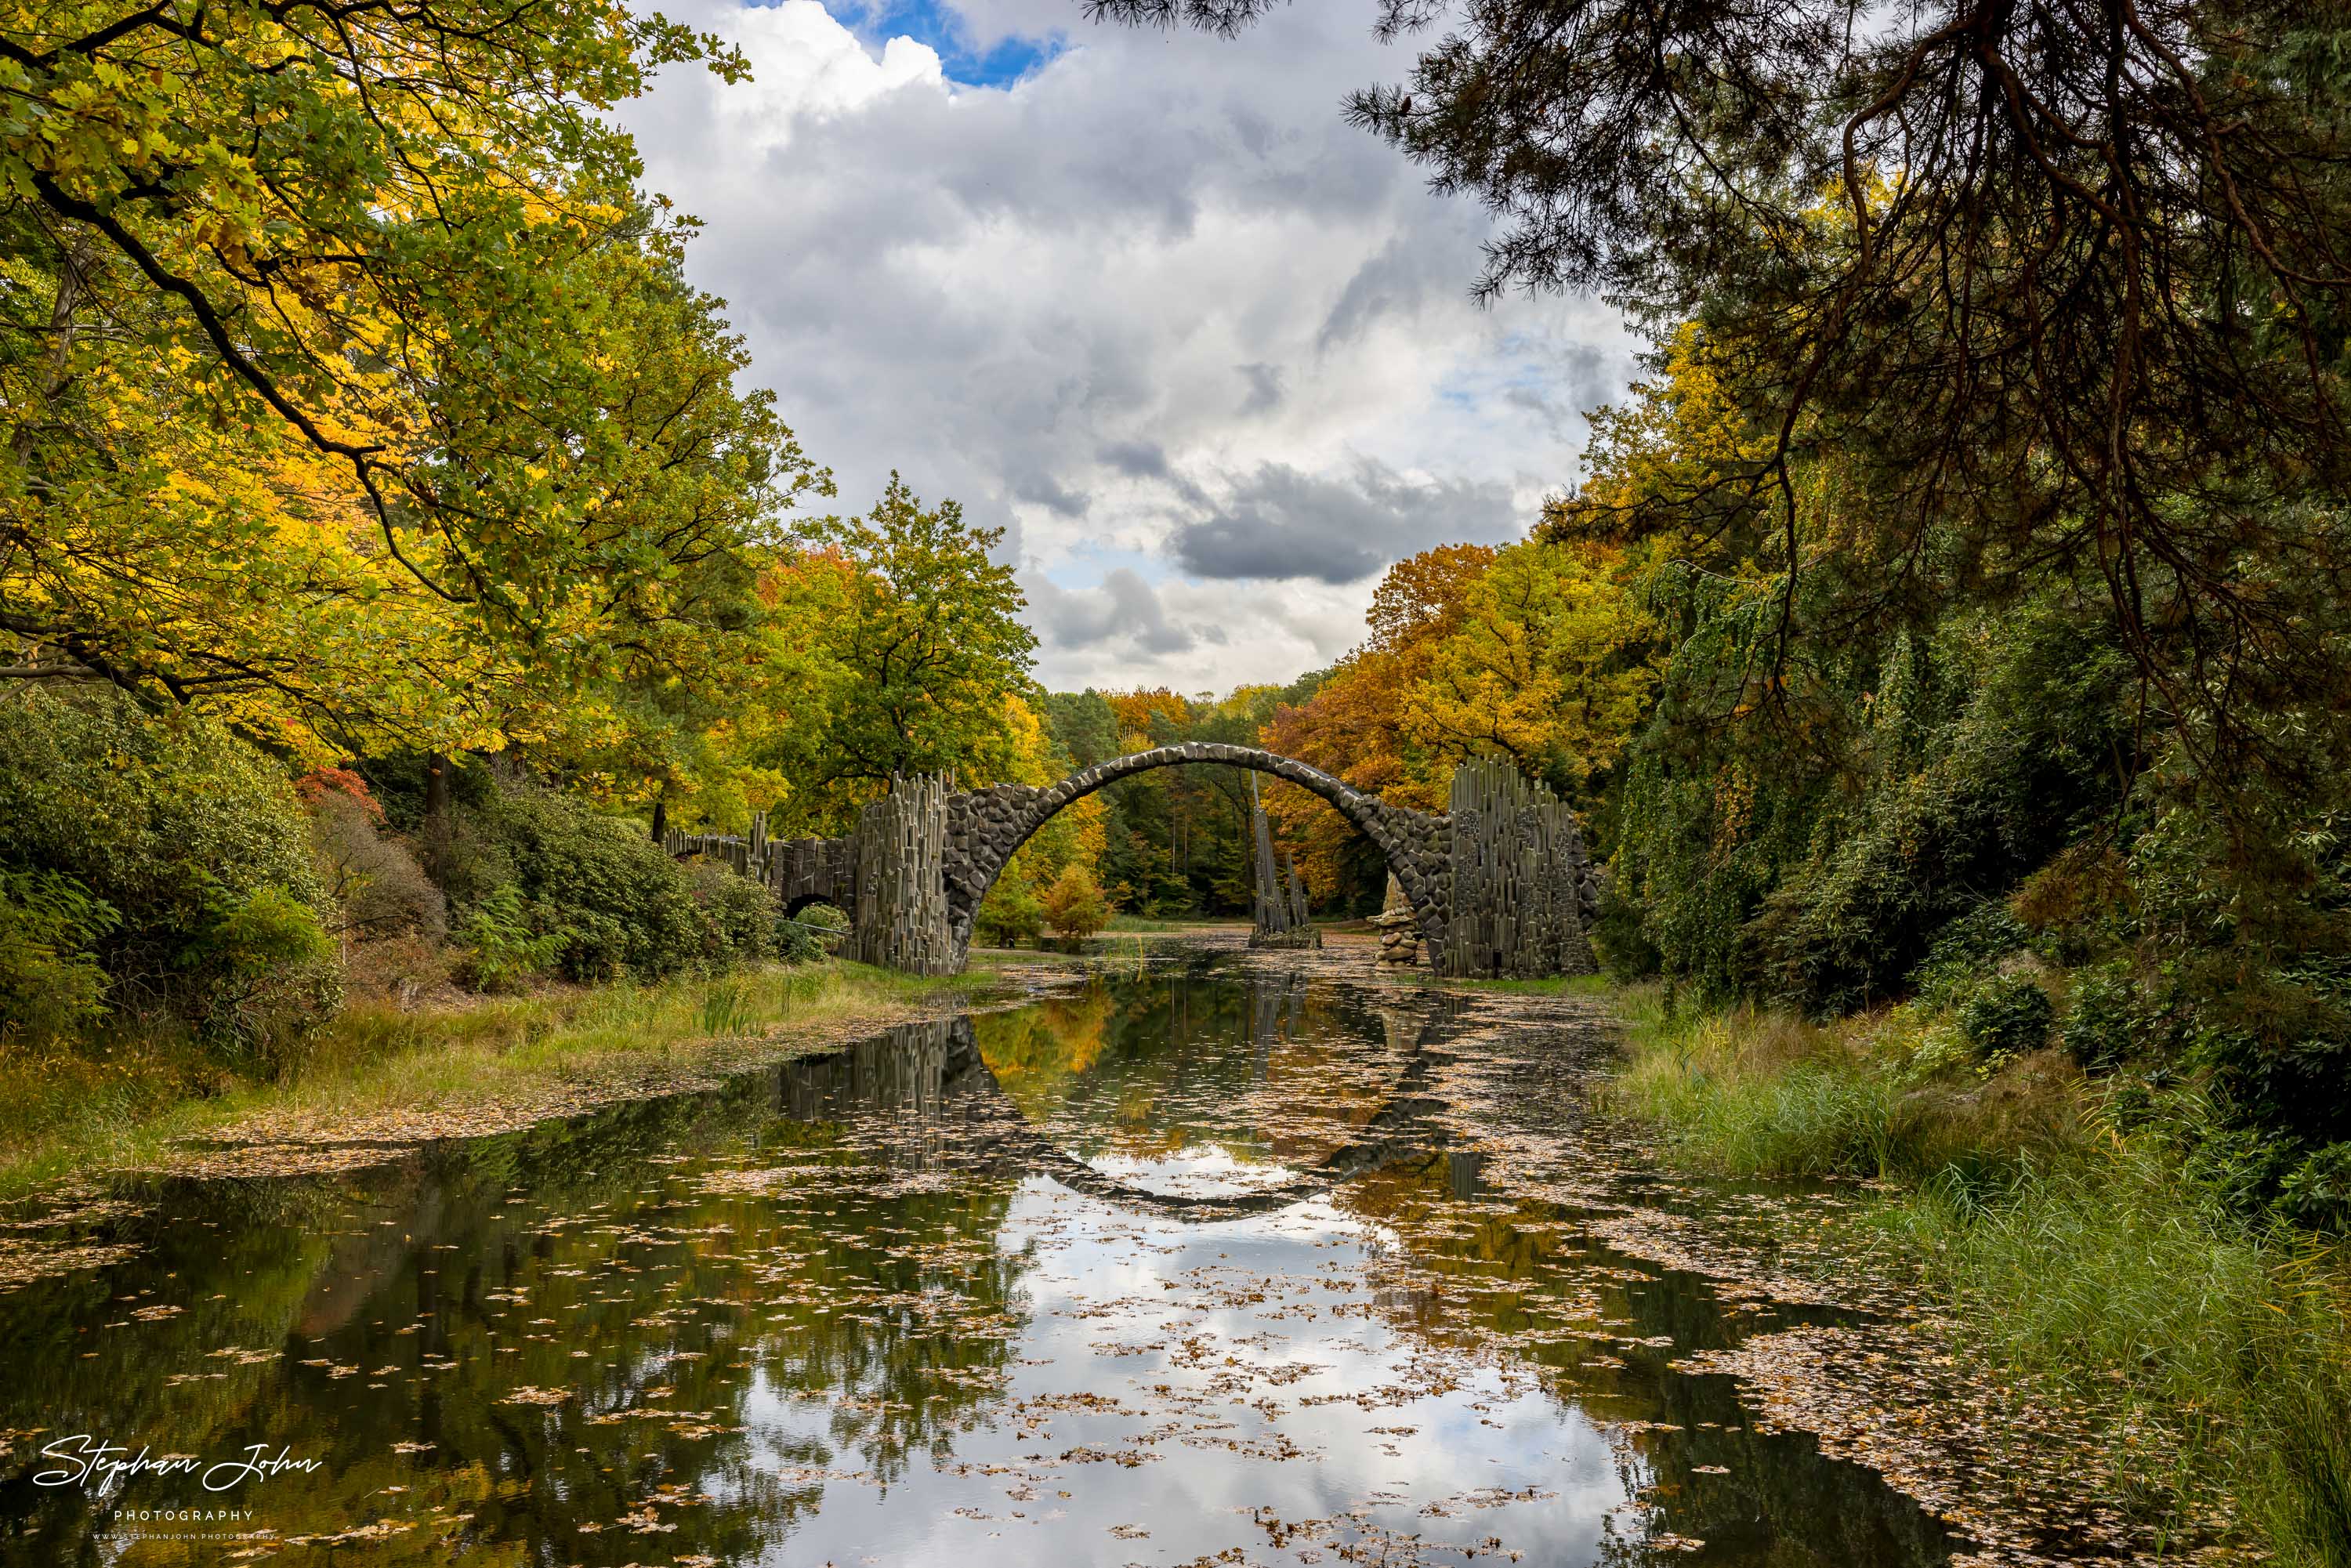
[2101,1017]
[605,899]
[1968,946]
[2006,1016]
[501,949]
[50,984]
[194,841]
[1011,913]
[2317,1192]
[804,934]
[739,913]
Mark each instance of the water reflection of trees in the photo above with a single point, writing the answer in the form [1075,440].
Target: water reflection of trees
[1462,1268]
[865,1276]
[1261,1068]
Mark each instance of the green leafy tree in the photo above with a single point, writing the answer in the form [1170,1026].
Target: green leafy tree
[1083,724]
[349,383]
[902,650]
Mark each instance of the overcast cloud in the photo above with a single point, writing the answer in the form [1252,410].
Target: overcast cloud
[1143,300]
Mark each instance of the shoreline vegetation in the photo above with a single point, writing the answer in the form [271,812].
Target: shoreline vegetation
[2051,1224]
[379,1073]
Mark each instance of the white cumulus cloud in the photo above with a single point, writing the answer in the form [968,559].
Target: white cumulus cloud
[1205,352]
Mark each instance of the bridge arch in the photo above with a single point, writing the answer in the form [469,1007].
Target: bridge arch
[986,827]
[1501,884]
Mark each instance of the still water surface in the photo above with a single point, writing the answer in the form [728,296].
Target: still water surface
[1182,1267]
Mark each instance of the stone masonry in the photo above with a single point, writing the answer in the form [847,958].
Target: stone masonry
[984,827]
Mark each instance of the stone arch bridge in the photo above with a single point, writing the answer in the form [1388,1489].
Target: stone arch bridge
[1501,883]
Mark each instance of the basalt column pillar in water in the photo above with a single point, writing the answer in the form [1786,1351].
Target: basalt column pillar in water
[1518,879]
[901,899]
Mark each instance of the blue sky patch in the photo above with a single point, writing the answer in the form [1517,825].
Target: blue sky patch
[943,29]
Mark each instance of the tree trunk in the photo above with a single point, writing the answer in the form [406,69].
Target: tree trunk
[437,827]
[661,819]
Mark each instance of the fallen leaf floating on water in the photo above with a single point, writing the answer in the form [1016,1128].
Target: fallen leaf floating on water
[1494,1307]
[527,1395]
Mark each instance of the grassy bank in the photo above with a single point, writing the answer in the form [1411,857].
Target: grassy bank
[125,1101]
[2064,1240]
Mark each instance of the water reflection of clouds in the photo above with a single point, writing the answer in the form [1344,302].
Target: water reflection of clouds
[1198,1171]
[1119,1364]
[885,1356]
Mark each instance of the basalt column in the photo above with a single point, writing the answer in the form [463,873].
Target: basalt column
[902,905]
[1520,882]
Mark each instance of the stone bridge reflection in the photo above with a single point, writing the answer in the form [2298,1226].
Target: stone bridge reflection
[925,1096]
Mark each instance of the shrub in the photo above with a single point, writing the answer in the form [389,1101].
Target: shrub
[593,898]
[1624,949]
[376,885]
[801,937]
[2101,1018]
[1074,905]
[502,950]
[49,984]
[2318,1192]
[193,839]
[267,968]
[1966,947]
[740,914]
[1011,913]
[620,902]
[2007,1016]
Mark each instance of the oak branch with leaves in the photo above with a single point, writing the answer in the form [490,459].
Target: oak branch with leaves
[348,375]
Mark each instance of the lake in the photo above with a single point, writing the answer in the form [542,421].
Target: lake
[1214,1263]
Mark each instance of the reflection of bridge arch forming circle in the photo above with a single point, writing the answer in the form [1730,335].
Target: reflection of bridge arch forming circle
[928,1099]
[1499,885]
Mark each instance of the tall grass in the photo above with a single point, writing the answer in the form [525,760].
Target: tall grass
[1752,1093]
[69,1113]
[2216,1357]
[2222,1355]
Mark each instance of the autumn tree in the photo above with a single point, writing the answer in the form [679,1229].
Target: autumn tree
[901,644]
[1550,665]
[1074,905]
[349,378]
[1354,725]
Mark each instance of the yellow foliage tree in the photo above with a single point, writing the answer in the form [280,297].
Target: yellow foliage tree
[1355,726]
[1551,665]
